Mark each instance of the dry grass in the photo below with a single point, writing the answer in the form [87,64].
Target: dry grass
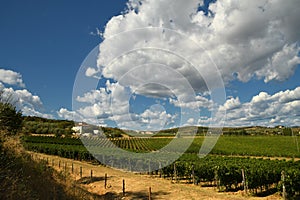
[21,177]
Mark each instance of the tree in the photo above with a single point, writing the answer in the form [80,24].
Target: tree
[287,131]
[10,118]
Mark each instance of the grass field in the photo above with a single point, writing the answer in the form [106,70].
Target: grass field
[267,146]
[270,146]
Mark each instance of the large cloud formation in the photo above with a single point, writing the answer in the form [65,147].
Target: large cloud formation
[265,109]
[153,40]
[244,37]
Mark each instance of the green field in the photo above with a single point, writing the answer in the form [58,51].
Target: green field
[267,146]
[270,146]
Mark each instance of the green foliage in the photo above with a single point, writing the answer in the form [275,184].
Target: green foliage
[38,125]
[50,140]
[10,117]
[202,130]
[237,132]
[281,146]
[287,132]
[112,132]
[167,132]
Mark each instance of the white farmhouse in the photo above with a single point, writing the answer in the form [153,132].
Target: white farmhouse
[77,130]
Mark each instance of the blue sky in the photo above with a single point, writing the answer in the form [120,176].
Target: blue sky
[155,64]
[46,41]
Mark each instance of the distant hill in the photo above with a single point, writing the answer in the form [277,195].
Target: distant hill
[39,125]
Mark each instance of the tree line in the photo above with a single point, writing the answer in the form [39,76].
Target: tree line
[38,125]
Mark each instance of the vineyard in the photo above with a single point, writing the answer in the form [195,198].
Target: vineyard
[256,176]
[268,146]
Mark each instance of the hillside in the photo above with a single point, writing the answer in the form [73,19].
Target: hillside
[43,126]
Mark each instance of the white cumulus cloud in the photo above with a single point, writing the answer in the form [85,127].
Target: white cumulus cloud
[170,49]
[281,108]
[10,77]
[23,99]
[247,37]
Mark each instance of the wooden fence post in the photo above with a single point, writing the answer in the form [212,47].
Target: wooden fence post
[123,188]
[175,172]
[149,193]
[149,167]
[105,180]
[160,170]
[65,167]
[217,182]
[193,174]
[284,195]
[80,172]
[244,181]
[91,174]
[72,168]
